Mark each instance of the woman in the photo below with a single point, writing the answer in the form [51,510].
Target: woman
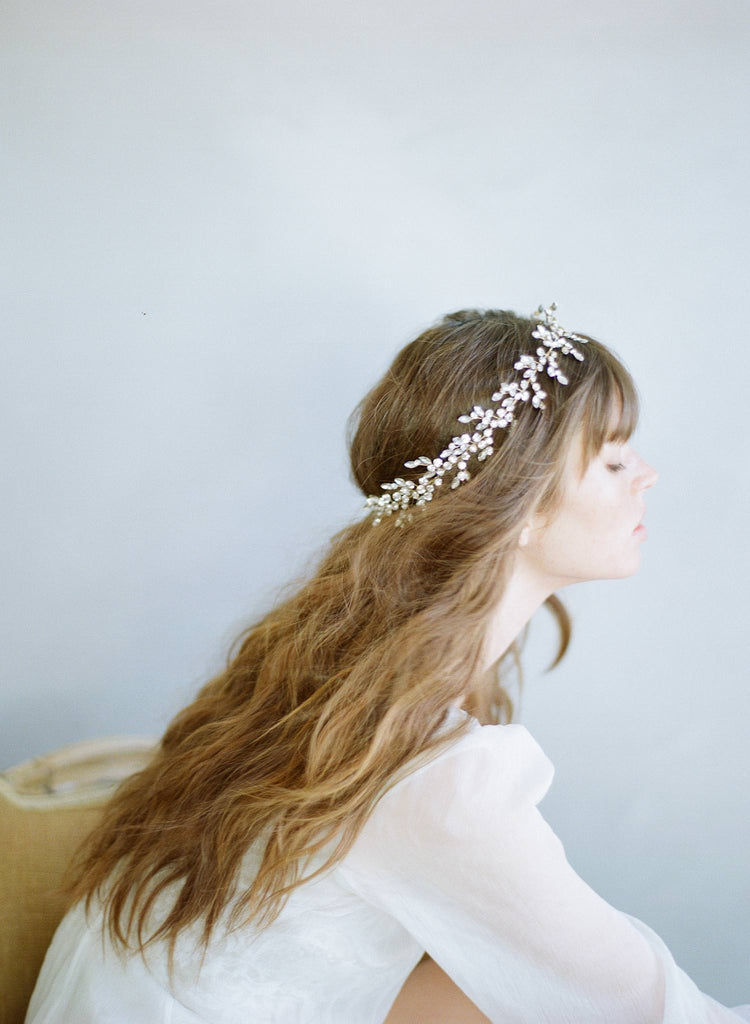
[330,808]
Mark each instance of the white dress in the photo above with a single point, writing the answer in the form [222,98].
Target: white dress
[456,860]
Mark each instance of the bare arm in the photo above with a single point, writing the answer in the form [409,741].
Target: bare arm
[429,995]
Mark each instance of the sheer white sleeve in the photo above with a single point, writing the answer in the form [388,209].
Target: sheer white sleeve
[459,853]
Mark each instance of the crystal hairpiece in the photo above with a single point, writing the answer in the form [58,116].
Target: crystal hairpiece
[453,460]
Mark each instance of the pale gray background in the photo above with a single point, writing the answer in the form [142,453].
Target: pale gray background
[220,222]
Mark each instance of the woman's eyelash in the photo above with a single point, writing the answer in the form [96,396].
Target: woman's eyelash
[616,467]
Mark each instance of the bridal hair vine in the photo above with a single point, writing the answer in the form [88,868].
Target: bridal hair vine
[453,461]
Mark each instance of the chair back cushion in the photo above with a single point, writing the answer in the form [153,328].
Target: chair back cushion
[47,807]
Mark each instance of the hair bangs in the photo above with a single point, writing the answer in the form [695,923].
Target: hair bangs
[612,405]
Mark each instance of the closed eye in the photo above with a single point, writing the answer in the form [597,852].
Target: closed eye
[616,468]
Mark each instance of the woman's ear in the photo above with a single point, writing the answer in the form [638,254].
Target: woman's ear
[533,525]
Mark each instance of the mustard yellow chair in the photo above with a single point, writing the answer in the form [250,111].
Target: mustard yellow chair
[47,806]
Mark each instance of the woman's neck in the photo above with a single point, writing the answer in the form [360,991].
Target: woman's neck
[523,594]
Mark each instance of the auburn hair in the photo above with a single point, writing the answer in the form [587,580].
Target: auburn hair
[326,698]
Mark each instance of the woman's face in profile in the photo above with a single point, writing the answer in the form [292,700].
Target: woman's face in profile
[596,531]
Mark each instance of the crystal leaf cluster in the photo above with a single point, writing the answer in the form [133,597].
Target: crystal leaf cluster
[453,462]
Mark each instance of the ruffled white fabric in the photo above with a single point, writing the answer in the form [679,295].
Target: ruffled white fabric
[456,860]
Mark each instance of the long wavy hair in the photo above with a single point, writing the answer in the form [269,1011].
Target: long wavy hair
[325,699]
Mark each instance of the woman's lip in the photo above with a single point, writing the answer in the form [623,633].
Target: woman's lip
[641,531]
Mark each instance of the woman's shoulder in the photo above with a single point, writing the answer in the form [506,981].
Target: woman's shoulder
[470,793]
[477,764]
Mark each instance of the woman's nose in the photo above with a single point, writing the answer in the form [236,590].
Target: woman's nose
[647,476]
